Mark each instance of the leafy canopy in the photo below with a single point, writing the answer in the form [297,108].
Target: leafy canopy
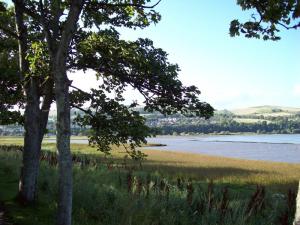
[268,17]
[118,64]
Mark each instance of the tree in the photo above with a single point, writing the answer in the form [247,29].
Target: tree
[93,43]
[270,16]
[26,88]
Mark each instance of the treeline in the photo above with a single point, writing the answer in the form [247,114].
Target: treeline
[283,127]
[223,122]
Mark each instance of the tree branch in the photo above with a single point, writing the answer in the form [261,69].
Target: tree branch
[56,12]
[84,92]
[9,32]
[47,101]
[22,40]
[83,110]
[78,89]
[69,28]
[289,27]
[27,11]
[46,27]
[129,4]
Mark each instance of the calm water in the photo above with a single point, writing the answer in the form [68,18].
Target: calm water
[275,147]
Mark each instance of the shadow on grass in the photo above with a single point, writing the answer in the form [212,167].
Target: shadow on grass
[199,171]
[231,176]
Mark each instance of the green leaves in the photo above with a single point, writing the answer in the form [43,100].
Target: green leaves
[142,66]
[38,59]
[10,117]
[111,122]
[120,64]
[11,93]
[131,14]
[2,7]
[97,46]
[271,15]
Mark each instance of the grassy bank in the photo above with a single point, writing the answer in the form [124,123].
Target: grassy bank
[170,188]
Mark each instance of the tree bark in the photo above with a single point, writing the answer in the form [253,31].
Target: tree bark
[35,125]
[32,148]
[63,146]
[64,215]
[35,118]
[32,145]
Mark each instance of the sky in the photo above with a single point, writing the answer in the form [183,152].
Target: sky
[230,72]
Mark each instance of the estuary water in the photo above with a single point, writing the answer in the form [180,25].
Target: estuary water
[271,147]
[275,147]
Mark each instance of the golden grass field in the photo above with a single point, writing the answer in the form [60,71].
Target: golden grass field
[267,110]
[202,167]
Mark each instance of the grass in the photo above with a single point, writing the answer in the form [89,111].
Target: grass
[278,176]
[101,193]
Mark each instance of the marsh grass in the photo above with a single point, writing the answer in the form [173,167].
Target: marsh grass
[278,176]
[169,188]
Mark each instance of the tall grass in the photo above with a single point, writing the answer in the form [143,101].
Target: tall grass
[114,192]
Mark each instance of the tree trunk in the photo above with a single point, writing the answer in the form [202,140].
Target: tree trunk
[35,125]
[35,118]
[63,128]
[63,146]
[32,147]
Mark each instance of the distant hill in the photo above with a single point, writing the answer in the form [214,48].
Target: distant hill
[267,110]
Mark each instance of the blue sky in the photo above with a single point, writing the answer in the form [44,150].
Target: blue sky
[230,72]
